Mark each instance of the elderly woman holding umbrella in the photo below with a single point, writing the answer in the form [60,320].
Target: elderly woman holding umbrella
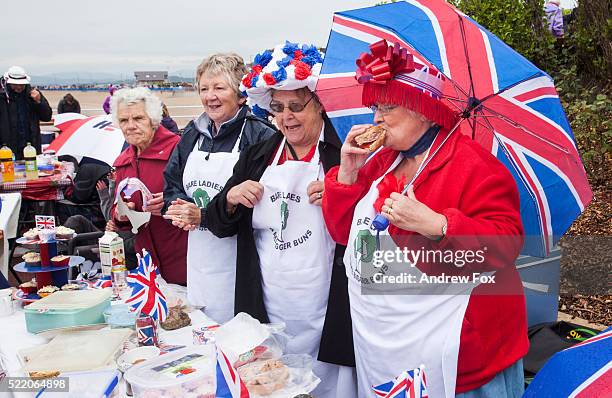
[199,168]
[288,267]
[440,192]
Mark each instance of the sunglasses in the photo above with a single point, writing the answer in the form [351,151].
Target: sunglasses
[295,107]
[384,109]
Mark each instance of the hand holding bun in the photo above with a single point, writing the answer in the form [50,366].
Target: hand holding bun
[372,138]
[360,142]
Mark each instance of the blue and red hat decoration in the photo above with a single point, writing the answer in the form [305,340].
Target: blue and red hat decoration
[288,66]
[391,75]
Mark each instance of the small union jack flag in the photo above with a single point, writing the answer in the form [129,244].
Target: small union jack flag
[146,296]
[410,384]
[103,283]
[45,222]
[229,384]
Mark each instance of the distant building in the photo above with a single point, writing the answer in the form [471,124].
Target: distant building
[147,78]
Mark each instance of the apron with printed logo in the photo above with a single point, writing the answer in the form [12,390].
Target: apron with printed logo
[296,255]
[211,261]
[397,332]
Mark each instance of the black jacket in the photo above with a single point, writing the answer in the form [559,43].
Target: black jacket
[255,130]
[20,112]
[337,339]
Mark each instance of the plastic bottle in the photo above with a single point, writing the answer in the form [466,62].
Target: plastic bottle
[7,164]
[29,155]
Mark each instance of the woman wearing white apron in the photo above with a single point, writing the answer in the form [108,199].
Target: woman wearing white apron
[197,171]
[441,192]
[288,267]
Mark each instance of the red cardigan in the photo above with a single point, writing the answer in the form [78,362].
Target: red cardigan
[166,243]
[479,197]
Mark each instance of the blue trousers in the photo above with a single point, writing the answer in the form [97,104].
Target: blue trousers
[509,383]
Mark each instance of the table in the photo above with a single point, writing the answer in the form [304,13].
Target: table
[14,337]
[9,221]
[43,188]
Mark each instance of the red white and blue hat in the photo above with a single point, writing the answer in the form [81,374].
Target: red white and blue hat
[288,66]
[391,75]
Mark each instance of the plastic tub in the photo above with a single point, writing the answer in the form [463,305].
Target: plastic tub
[66,309]
[188,372]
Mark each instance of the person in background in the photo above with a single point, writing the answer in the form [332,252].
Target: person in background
[82,224]
[167,121]
[554,14]
[106,105]
[68,104]
[199,168]
[22,108]
[138,114]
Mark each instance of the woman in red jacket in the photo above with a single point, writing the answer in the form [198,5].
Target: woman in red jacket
[138,113]
[438,287]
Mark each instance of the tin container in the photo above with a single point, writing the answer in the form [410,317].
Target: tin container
[146,328]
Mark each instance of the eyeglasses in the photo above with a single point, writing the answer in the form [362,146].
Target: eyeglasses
[384,109]
[295,107]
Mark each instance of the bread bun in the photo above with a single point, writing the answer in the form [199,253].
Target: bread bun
[372,138]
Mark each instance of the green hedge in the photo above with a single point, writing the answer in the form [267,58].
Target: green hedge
[580,64]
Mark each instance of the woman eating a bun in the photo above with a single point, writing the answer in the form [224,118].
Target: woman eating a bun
[288,268]
[429,190]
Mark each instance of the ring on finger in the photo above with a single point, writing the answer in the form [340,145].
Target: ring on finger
[319,195]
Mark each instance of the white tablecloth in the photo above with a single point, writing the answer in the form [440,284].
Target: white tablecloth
[9,218]
[14,337]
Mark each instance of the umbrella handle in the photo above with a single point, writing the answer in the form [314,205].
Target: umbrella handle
[380,223]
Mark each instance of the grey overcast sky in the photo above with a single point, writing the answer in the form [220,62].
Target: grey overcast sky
[119,36]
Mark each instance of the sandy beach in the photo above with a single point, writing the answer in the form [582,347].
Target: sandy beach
[183,106]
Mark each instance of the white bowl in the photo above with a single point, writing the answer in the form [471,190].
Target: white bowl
[128,359]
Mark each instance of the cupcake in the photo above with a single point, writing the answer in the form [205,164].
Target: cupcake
[60,260]
[71,286]
[31,258]
[47,290]
[46,235]
[28,287]
[31,234]
[62,232]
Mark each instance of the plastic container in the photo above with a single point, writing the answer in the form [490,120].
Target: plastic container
[6,162]
[29,155]
[120,316]
[6,302]
[188,372]
[19,170]
[67,308]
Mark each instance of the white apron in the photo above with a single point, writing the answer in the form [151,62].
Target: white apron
[211,261]
[296,255]
[393,333]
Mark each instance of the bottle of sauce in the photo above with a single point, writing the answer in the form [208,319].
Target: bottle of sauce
[31,169]
[7,164]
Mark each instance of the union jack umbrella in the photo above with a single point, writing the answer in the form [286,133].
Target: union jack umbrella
[146,296]
[506,103]
[581,371]
[410,384]
[93,137]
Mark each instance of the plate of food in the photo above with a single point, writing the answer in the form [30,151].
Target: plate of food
[32,236]
[28,291]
